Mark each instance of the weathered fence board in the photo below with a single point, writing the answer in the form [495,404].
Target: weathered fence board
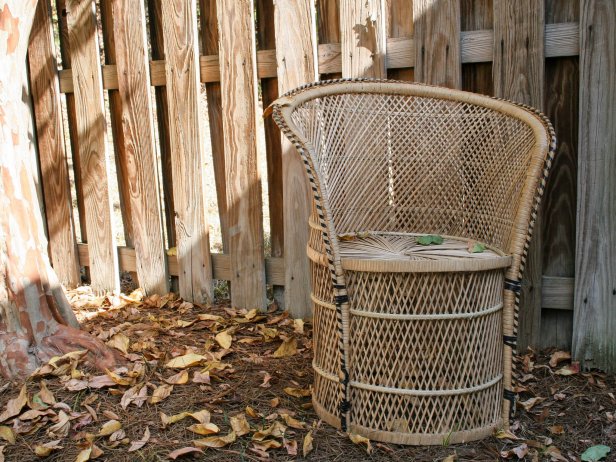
[437,42]
[594,342]
[363,38]
[399,26]
[91,131]
[52,154]
[138,127]
[328,31]
[238,72]
[209,44]
[518,70]
[476,15]
[182,73]
[296,53]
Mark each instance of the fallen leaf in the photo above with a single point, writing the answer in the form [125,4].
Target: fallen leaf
[140,443]
[291,422]
[182,452]
[202,416]
[46,396]
[297,392]
[118,379]
[204,429]
[184,361]
[111,415]
[521,450]
[554,453]
[62,427]
[274,402]
[166,420]
[43,450]
[201,377]
[251,412]
[358,439]
[180,378]
[266,379]
[298,326]
[287,348]
[109,427]
[239,424]
[450,458]
[595,453]
[530,403]
[215,441]
[572,369]
[160,393]
[137,395]
[558,357]
[224,339]
[84,455]
[120,342]
[267,444]
[430,239]
[7,434]
[275,430]
[307,446]
[15,405]
[290,446]
[556,429]
[505,435]
[476,247]
[209,317]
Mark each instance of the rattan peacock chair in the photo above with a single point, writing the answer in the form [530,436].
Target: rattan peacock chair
[413,337]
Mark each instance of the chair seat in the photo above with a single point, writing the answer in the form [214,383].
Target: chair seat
[400,252]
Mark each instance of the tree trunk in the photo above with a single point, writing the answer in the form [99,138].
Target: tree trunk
[36,320]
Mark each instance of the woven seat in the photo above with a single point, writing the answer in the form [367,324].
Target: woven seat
[413,339]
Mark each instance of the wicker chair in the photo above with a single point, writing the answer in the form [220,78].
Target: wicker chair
[413,343]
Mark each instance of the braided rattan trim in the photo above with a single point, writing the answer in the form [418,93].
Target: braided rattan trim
[426,317]
[323,373]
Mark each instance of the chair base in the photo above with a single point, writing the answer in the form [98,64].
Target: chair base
[411,439]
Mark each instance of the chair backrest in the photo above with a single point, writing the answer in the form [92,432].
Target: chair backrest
[390,156]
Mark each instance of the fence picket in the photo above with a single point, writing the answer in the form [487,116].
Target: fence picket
[239,98]
[399,25]
[91,132]
[183,90]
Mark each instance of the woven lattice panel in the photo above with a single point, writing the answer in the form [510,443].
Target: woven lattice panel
[415,164]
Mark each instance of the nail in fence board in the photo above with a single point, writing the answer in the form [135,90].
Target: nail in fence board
[518,70]
[52,154]
[142,180]
[362,28]
[238,85]
[209,40]
[437,42]
[91,131]
[595,273]
[296,54]
[183,92]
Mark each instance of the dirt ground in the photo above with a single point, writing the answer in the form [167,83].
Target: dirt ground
[247,384]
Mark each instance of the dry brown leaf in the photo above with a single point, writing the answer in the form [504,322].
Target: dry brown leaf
[204,429]
[168,420]
[46,396]
[118,379]
[111,415]
[120,342]
[62,427]
[15,405]
[554,453]
[184,361]
[224,339]
[215,441]
[202,416]
[559,356]
[275,430]
[7,434]
[266,379]
[100,381]
[135,445]
[160,393]
[84,455]
[181,323]
[530,403]
[240,425]
[183,451]
[137,395]
[201,377]
[210,317]
[291,422]
[298,326]
[290,446]
[450,458]
[180,378]
[274,402]
[251,412]
[358,439]
[556,429]
[287,348]
[43,450]
[2,453]
[267,444]
[109,427]
[505,435]
[572,369]
[298,392]
[307,446]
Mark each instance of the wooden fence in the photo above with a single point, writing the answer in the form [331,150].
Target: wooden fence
[541,53]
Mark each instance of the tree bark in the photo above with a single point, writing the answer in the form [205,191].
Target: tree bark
[36,319]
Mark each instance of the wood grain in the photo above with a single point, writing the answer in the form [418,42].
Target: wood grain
[115,122]
[437,42]
[138,127]
[296,53]
[476,17]
[162,119]
[209,44]
[399,21]
[91,132]
[266,39]
[328,31]
[518,71]
[183,90]
[52,154]
[238,72]
[594,322]
[561,106]
[363,39]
